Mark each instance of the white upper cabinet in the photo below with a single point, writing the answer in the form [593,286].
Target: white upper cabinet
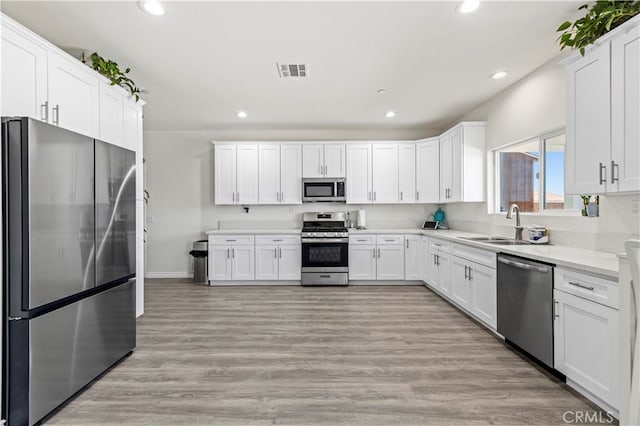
[132,127]
[407,173]
[313,160]
[359,174]
[291,174]
[280,174]
[236,174]
[385,173]
[24,75]
[335,160]
[323,160]
[603,129]
[428,171]
[74,90]
[588,122]
[225,174]
[462,159]
[111,115]
[625,112]
[247,174]
[269,174]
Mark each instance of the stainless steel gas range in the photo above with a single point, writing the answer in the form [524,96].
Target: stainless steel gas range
[325,249]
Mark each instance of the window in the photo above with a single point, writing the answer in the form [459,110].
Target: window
[531,174]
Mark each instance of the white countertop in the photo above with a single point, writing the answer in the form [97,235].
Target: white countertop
[595,262]
[253,231]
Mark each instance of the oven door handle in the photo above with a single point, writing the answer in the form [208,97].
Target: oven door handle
[324,240]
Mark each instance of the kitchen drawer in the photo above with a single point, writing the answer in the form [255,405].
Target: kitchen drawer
[234,240]
[484,257]
[386,240]
[590,287]
[362,239]
[441,245]
[277,239]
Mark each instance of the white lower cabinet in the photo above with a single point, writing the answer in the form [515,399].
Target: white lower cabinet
[460,285]
[439,265]
[267,262]
[390,262]
[362,261]
[586,345]
[219,263]
[376,257]
[413,265]
[231,258]
[278,257]
[484,295]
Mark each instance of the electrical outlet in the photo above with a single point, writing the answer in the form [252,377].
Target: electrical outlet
[151,219]
[635,208]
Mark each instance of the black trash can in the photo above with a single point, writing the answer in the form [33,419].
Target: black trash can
[200,252]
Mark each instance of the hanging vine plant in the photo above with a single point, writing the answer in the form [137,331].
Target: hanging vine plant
[601,17]
[111,70]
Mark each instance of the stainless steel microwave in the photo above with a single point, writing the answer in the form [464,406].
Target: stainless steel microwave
[323,190]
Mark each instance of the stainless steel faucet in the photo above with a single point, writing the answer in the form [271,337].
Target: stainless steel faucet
[518,227]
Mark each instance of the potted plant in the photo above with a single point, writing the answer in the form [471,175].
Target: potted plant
[601,17]
[111,70]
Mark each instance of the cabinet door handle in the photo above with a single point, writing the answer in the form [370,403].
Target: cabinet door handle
[44,111]
[238,196]
[400,195]
[603,176]
[233,253]
[275,253]
[230,241]
[466,276]
[434,259]
[555,309]
[374,195]
[280,252]
[470,277]
[228,253]
[407,243]
[326,170]
[615,167]
[378,253]
[56,115]
[369,195]
[417,196]
[282,197]
[233,196]
[586,287]
[374,253]
[277,196]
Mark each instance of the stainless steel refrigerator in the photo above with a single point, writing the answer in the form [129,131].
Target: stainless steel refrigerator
[69,264]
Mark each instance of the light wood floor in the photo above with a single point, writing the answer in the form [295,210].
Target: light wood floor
[361,355]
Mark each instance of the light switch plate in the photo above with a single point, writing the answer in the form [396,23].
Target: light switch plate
[635,208]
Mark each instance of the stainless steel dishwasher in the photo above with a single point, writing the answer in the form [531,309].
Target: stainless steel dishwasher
[525,305]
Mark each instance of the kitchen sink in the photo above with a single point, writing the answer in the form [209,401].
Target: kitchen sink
[510,242]
[502,241]
[485,239]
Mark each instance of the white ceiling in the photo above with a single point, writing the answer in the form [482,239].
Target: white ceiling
[203,61]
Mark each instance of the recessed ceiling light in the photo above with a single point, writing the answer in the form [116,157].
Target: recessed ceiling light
[498,75]
[381,91]
[468,6]
[390,114]
[151,6]
[241,114]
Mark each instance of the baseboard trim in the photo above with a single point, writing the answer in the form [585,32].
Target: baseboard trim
[168,275]
[384,282]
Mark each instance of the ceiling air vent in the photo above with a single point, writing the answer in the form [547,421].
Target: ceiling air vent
[292,70]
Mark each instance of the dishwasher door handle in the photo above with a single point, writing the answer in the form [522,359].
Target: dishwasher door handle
[525,266]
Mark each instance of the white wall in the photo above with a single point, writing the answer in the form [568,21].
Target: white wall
[179,177]
[530,107]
